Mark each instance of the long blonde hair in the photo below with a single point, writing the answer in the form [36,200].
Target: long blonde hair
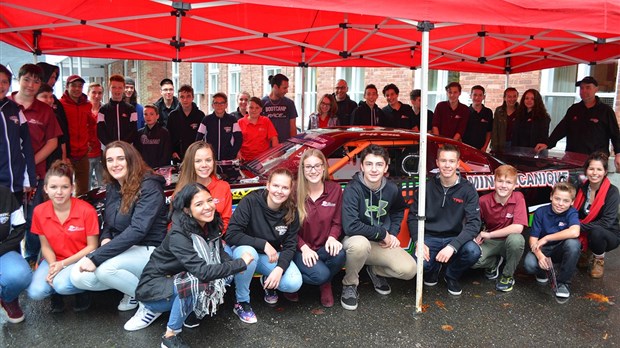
[188,170]
[303,184]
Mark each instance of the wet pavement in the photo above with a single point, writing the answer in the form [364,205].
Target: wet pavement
[481,317]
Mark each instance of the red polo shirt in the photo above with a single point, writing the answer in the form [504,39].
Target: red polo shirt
[497,216]
[256,137]
[68,238]
[43,126]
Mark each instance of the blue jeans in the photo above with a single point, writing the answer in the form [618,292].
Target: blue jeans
[565,252]
[172,304]
[40,289]
[15,275]
[465,257]
[33,243]
[291,279]
[324,269]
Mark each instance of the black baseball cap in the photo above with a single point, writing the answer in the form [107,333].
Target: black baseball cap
[587,79]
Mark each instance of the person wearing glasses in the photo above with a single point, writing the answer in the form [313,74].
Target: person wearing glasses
[345,104]
[325,115]
[319,255]
[167,102]
[221,130]
[242,105]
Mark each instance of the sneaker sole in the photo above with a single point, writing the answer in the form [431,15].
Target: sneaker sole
[562,295]
[192,326]
[348,307]
[127,308]
[252,321]
[378,290]
[542,281]
[271,302]
[142,324]
[383,292]
[430,284]
[454,293]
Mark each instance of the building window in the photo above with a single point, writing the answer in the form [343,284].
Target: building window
[355,81]
[269,71]
[437,82]
[234,86]
[310,97]
[214,83]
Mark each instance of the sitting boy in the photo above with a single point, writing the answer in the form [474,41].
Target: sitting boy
[554,234]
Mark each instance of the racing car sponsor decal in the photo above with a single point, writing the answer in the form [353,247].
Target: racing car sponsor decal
[541,178]
[238,194]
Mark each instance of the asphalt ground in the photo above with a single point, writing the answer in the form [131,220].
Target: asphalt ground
[481,317]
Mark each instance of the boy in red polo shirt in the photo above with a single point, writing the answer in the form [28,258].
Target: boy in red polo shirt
[504,215]
[258,132]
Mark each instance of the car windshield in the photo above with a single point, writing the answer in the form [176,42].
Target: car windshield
[290,150]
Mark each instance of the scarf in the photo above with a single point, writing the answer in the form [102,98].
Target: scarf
[595,209]
[199,297]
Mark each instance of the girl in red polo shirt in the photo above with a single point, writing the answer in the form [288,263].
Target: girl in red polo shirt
[68,229]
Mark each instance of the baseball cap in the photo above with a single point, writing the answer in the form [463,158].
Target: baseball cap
[74,78]
[587,79]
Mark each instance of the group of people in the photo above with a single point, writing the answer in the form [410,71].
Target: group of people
[181,259]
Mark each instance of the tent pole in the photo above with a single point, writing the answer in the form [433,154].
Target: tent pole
[304,70]
[425,28]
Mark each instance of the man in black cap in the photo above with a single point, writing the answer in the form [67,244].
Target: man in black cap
[167,102]
[588,125]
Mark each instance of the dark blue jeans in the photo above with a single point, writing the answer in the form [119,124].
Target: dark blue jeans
[33,243]
[464,258]
[324,270]
[565,252]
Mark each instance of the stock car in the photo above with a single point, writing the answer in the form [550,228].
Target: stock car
[342,146]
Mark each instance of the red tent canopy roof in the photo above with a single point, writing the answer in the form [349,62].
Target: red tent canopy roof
[252,33]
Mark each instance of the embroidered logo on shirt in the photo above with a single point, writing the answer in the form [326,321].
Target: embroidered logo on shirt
[328,204]
[457,200]
[124,115]
[227,129]
[594,120]
[562,224]
[281,229]
[72,228]
[509,216]
[15,119]
[4,217]
[216,201]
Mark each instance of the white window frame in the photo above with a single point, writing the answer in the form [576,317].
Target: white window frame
[310,95]
[234,86]
[213,83]
[437,94]
[269,70]
[355,78]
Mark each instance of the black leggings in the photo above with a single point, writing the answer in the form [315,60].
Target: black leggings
[601,240]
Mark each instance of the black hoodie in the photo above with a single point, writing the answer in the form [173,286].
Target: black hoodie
[145,224]
[345,109]
[253,224]
[363,115]
[117,120]
[452,212]
[369,213]
[183,128]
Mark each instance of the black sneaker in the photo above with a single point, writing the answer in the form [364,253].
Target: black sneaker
[454,287]
[380,283]
[563,291]
[173,342]
[431,279]
[191,321]
[58,303]
[505,284]
[82,301]
[349,297]
[541,277]
[493,273]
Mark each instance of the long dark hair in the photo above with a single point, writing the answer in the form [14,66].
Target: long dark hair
[538,111]
[182,201]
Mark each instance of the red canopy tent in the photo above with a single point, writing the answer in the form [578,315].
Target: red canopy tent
[496,36]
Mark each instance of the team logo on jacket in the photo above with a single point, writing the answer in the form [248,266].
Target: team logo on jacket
[594,120]
[4,217]
[72,228]
[509,216]
[377,210]
[457,200]
[14,119]
[194,125]
[328,204]
[227,129]
[124,115]
[561,224]
[281,229]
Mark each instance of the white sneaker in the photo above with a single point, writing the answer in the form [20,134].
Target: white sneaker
[127,303]
[141,319]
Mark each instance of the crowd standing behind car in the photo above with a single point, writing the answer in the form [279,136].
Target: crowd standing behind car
[271,229]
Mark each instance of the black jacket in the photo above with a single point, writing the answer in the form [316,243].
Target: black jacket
[253,224]
[145,224]
[164,112]
[363,115]
[12,222]
[176,254]
[183,129]
[345,109]
[401,118]
[455,213]
[372,214]
[588,130]
[529,131]
[223,133]
[607,217]
[117,121]
[154,145]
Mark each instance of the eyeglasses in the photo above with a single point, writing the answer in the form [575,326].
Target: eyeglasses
[317,167]
[219,103]
[337,87]
[326,104]
[167,90]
